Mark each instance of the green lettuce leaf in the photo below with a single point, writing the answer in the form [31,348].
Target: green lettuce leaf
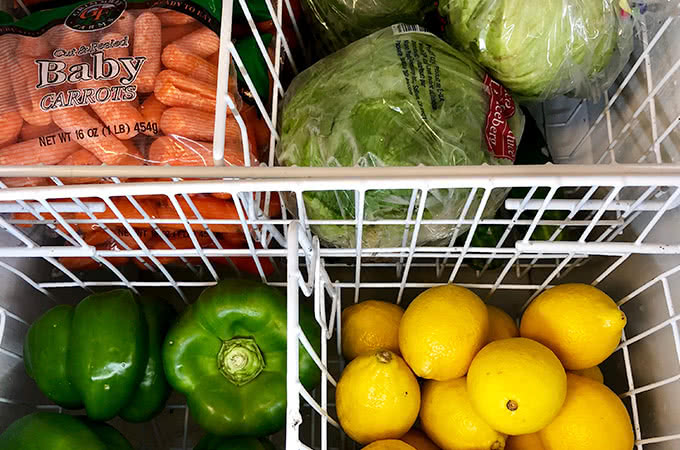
[359,108]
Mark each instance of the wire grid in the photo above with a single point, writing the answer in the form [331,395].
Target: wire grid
[597,207]
[654,69]
[589,212]
[329,294]
[590,220]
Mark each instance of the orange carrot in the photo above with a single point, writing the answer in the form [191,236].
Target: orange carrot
[176,58]
[181,243]
[256,125]
[126,209]
[34,47]
[31,152]
[11,127]
[191,123]
[202,42]
[24,81]
[176,89]
[109,149]
[176,151]
[80,158]
[29,131]
[69,39]
[125,25]
[209,207]
[171,18]
[79,264]
[117,52]
[16,182]
[115,115]
[152,110]
[8,45]
[148,43]
[171,34]
[214,59]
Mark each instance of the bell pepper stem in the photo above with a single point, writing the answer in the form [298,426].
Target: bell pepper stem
[240,360]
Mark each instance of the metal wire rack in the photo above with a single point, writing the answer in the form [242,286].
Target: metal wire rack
[617,189]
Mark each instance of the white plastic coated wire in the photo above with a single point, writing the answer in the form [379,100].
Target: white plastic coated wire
[610,211]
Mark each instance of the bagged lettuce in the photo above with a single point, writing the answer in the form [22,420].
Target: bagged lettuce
[398,97]
[337,23]
[543,48]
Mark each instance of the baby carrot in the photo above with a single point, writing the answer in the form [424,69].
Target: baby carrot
[197,125]
[31,152]
[16,182]
[152,110]
[11,127]
[214,59]
[8,44]
[24,81]
[109,149]
[202,42]
[120,117]
[117,52]
[29,131]
[171,18]
[79,264]
[80,158]
[176,89]
[171,34]
[178,151]
[257,126]
[147,43]
[35,47]
[125,25]
[182,61]
[209,207]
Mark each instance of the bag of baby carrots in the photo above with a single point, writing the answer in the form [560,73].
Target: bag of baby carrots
[118,83]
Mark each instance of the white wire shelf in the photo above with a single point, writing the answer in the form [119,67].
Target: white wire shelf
[620,178]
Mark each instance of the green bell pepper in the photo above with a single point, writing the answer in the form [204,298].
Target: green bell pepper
[104,354]
[212,442]
[48,430]
[227,354]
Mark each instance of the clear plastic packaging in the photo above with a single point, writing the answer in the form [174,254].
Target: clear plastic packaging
[337,23]
[400,97]
[116,83]
[544,48]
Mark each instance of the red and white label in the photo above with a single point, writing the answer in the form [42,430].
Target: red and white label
[499,137]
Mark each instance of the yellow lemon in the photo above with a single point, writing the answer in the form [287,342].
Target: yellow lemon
[578,322]
[388,444]
[370,325]
[524,442]
[516,385]
[594,373]
[442,330]
[501,325]
[377,397]
[592,417]
[450,421]
[418,440]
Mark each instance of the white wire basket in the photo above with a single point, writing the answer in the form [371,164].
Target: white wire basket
[617,186]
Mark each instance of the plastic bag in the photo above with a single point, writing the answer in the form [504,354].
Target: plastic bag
[544,48]
[337,23]
[396,98]
[107,82]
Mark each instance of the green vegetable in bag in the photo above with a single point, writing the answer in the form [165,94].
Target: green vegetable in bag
[396,98]
[337,23]
[542,48]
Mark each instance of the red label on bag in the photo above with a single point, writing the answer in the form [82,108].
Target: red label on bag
[499,137]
